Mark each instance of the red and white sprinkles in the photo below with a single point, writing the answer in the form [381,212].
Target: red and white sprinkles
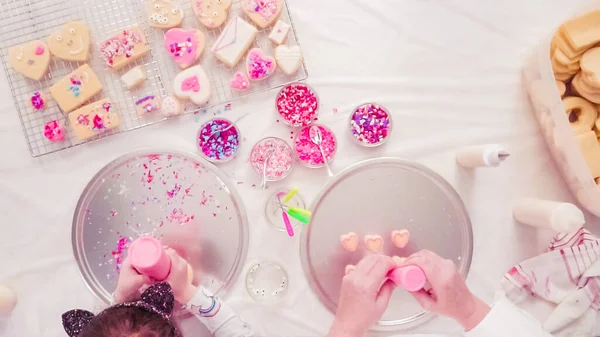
[278,156]
[297,104]
[309,153]
[370,124]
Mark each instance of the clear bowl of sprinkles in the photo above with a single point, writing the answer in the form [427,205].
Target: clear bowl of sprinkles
[278,155]
[309,153]
[370,124]
[218,140]
[297,104]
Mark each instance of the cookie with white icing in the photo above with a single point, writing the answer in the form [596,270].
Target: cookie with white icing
[233,42]
[192,84]
[289,59]
[164,13]
[184,46]
[71,42]
[211,13]
[263,12]
[31,59]
[171,107]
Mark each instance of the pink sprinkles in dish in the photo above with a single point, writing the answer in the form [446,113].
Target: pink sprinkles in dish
[278,155]
[370,124]
[297,104]
[309,153]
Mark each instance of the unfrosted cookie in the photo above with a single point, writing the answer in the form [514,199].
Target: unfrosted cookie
[124,47]
[562,88]
[147,104]
[289,59]
[400,238]
[279,32]
[239,81]
[171,106]
[233,42]
[30,59]
[164,13]
[211,13]
[588,143]
[581,113]
[584,89]
[374,243]
[184,45]
[349,241]
[134,77]
[73,90]
[38,101]
[259,66]
[71,42]
[93,119]
[263,12]
[583,31]
[192,84]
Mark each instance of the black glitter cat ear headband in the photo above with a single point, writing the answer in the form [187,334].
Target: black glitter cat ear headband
[158,299]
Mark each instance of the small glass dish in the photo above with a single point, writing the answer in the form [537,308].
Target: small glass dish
[279,162]
[308,152]
[273,209]
[215,146]
[267,282]
[376,124]
[291,94]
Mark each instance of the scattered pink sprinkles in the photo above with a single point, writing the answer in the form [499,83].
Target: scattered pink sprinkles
[278,155]
[309,153]
[117,253]
[297,104]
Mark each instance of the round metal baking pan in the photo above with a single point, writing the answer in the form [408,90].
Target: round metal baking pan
[378,196]
[176,197]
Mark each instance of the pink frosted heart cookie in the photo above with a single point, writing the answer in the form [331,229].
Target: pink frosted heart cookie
[184,45]
[54,131]
[374,243]
[259,66]
[400,238]
[239,81]
[349,268]
[349,241]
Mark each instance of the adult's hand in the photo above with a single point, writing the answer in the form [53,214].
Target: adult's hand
[364,297]
[449,295]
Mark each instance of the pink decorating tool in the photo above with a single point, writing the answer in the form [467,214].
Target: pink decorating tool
[411,277]
[148,257]
[286,218]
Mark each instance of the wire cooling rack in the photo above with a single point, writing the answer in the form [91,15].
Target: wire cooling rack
[27,20]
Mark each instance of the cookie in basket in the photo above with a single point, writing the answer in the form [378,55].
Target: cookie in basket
[263,12]
[164,13]
[583,88]
[590,148]
[31,59]
[581,113]
[124,47]
[184,46]
[71,42]
[211,13]
[93,119]
[562,88]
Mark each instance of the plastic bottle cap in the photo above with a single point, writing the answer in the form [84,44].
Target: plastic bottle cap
[411,278]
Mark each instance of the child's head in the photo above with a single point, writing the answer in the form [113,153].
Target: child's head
[148,317]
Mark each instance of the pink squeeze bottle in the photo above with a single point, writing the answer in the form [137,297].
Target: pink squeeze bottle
[411,278]
[149,258]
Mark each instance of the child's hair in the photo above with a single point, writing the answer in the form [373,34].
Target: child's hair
[128,322]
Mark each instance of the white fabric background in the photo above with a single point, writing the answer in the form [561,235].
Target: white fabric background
[449,70]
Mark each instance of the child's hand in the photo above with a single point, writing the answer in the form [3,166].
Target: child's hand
[183,290]
[129,283]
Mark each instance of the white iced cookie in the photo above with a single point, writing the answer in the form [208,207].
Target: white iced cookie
[211,13]
[279,32]
[233,42]
[263,12]
[164,13]
[581,114]
[192,84]
[8,300]
[124,47]
[134,77]
[76,88]
[170,106]
[71,42]
[30,59]
[289,59]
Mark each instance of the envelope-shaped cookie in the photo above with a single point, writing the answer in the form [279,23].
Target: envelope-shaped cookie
[93,119]
[126,46]
[71,42]
[30,59]
[233,42]
[75,89]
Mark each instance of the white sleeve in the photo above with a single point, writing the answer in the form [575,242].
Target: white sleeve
[505,319]
[217,316]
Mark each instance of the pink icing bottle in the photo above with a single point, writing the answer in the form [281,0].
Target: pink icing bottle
[149,258]
[411,278]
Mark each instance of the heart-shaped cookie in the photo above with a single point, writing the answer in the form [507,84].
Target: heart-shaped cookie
[349,241]
[349,268]
[259,66]
[239,81]
[184,45]
[211,13]
[374,243]
[263,12]
[289,59]
[163,13]
[400,238]
[170,107]
[30,59]
[71,42]
[193,84]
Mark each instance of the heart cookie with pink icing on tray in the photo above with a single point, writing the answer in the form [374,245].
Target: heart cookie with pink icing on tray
[239,81]
[184,45]
[259,66]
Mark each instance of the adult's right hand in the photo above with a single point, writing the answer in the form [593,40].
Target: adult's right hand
[449,295]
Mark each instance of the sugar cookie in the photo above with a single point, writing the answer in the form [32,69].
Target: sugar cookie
[233,42]
[170,106]
[93,119]
[374,243]
[349,241]
[263,12]
[239,81]
[38,101]
[71,42]
[134,77]
[581,113]
[259,66]
[8,300]
[349,268]
[562,88]
[289,59]
[123,48]
[597,180]
[148,104]
[585,90]
[164,13]
[400,238]
[184,45]
[75,89]
[559,41]
[590,63]
[30,59]
[211,13]
[583,32]
[590,148]
[398,260]
[279,32]
[193,84]
[53,131]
